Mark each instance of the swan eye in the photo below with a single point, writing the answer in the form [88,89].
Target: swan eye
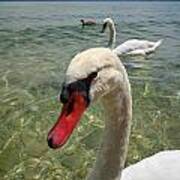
[92,76]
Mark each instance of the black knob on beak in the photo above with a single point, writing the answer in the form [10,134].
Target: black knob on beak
[64,96]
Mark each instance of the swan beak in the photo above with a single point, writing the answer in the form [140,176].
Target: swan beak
[104,27]
[71,113]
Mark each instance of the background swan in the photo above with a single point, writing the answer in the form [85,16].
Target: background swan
[88,22]
[129,47]
[98,74]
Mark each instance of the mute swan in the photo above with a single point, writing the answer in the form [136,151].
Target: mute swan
[130,47]
[98,74]
[88,22]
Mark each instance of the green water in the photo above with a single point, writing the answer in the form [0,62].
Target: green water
[37,41]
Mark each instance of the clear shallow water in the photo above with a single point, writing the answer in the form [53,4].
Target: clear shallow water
[37,41]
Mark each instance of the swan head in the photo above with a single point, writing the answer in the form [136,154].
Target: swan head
[82,20]
[108,22]
[91,75]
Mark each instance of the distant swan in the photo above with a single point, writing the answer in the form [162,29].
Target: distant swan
[99,74]
[88,22]
[129,47]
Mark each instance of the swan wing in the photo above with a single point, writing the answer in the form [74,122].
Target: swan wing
[135,46]
[161,166]
[126,47]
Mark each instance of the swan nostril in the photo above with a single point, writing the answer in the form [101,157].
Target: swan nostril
[50,143]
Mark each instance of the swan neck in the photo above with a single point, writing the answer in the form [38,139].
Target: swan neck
[112,36]
[112,154]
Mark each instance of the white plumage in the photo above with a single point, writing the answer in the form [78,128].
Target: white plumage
[164,165]
[136,47]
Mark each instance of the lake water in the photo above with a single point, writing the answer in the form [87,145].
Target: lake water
[38,40]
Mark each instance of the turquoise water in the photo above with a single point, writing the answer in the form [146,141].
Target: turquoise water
[37,41]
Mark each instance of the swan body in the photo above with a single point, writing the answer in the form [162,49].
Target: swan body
[137,47]
[164,165]
[129,47]
[88,22]
[96,74]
